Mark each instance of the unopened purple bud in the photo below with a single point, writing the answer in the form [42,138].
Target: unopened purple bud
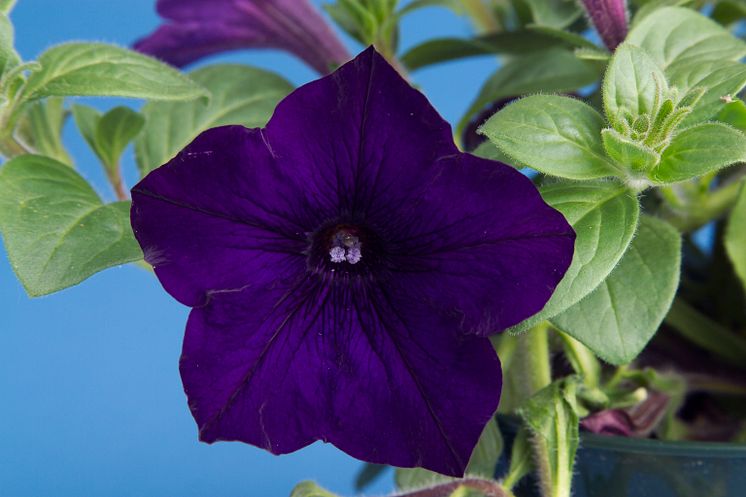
[610,19]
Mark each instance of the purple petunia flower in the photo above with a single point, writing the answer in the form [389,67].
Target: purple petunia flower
[197,28]
[610,19]
[344,265]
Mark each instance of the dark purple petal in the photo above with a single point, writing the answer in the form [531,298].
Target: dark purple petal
[210,222]
[281,365]
[610,19]
[493,256]
[197,28]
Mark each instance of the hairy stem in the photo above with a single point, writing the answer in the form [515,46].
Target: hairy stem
[487,487]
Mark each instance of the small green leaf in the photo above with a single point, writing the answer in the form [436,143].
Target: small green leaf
[699,150]
[735,236]
[554,70]
[41,128]
[619,317]
[629,153]
[87,119]
[676,35]
[559,136]
[482,462]
[572,39]
[604,216]
[240,95]
[729,11]
[98,69]
[633,84]
[734,113]
[115,130]
[521,462]
[716,78]
[551,416]
[57,232]
[446,49]
[310,489]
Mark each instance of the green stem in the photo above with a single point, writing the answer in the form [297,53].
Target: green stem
[533,352]
[489,488]
[706,333]
[582,360]
[711,206]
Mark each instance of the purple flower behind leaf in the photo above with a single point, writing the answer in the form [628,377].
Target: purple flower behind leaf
[344,265]
[197,28]
[610,19]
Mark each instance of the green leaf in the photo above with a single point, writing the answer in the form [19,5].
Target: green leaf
[628,153]
[604,216]
[521,463]
[98,69]
[41,128]
[734,113]
[109,134]
[729,11]
[735,236]
[57,232]
[482,462]
[454,5]
[676,35]
[551,416]
[240,95]
[310,489]
[369,473]
[115,130]
[553,70]
[634,84]
[6,6]
[8,56]
[559,136]
[699,150]
[717,78]
[554,13]
[446,49]
[572,39]
[619,317]
[87,119]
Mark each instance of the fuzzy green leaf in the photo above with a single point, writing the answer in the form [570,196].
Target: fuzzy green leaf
[604,217]
[559,136]
[716,78]
[553,70]
[56,230]
[310,489]
[699,150]
[633,83]
[619,317]
[735,237]
[115,130]
[628,153]
[677,35]
[551,416]
[98,69]
[240,95]
[41,128]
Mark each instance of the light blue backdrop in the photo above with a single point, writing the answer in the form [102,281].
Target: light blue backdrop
[91,402]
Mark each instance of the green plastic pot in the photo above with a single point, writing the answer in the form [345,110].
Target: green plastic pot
[610,466]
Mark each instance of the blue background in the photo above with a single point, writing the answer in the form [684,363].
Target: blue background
[91,403]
